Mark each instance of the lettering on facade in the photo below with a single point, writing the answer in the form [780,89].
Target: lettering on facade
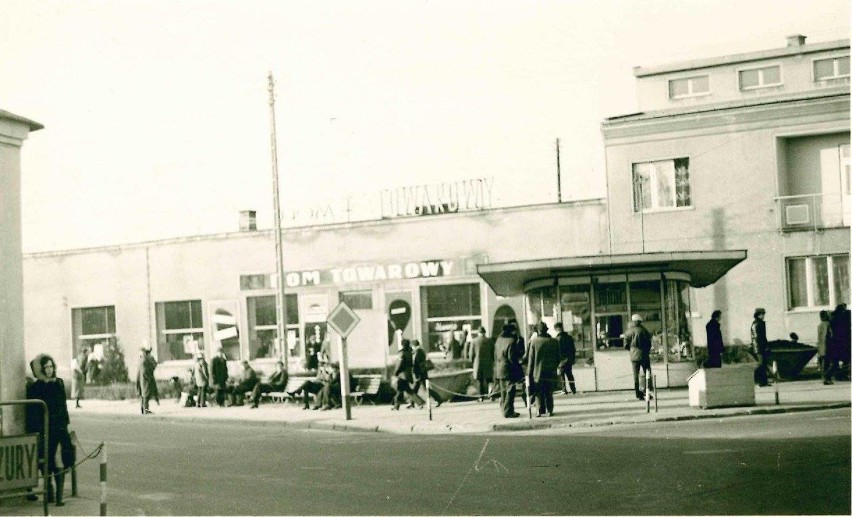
[438,198]
[371,273]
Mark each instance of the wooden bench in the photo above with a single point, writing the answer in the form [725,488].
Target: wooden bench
[293,383]
[368,385]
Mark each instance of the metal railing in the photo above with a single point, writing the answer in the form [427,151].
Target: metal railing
[810,212]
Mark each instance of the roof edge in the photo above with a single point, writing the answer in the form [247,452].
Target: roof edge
[731,59]
[32,124]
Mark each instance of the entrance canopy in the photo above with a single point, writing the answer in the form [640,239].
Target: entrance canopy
[703,267]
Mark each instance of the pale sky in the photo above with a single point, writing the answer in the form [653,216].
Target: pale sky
[157,120]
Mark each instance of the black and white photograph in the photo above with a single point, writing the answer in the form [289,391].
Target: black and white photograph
[425,257]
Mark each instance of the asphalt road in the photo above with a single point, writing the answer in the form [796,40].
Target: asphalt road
[781,464]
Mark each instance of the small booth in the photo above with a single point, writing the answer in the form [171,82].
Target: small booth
[595,296]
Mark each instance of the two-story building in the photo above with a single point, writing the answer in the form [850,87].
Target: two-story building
[728,157]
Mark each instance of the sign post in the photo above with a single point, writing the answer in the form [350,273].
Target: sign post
[344,320]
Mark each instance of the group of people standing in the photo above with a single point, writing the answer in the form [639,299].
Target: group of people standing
[537,367]
[833,341]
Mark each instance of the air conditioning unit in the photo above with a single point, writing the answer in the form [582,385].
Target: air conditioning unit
[797,214]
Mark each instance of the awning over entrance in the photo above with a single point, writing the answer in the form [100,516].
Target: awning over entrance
[704,267]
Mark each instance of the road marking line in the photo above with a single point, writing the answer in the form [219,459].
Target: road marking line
[711,451]
[832,418]
[475,463]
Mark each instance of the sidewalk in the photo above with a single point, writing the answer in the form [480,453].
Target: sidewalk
[571,411]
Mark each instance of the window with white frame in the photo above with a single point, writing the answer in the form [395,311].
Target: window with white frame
[820,281]
[662,184]
[263,325]
[92,326]
[180,329]
[689,86]
[831,68]
[760,77]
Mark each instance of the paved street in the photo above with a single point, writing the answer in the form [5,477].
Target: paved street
[797,463]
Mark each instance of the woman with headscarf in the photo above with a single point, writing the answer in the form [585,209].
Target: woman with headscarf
[51,389]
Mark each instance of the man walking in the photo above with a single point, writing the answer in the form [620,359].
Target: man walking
[507,370]
[421,371]
[715,347]
[219,375]
[638,341]
[567,356]
[543,360]
[760,347]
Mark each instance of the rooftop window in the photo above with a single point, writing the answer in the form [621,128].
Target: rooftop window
[831,68]
[760,77]
[689,87]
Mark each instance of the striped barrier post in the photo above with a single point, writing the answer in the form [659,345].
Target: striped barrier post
[775,381]
[74,466]
[104,480]
[647,391]
[656,397]
[429,398]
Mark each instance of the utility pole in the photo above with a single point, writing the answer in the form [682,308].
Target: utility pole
[280,300]
[558,175]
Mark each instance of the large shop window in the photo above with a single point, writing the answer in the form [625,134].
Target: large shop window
[179,324]
[451,310]
[92,326]
[263,325]
[661,185]
[817,282]
[663,305]
[570,304]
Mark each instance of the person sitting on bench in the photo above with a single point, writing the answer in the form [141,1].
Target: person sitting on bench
[277,382]
[311,386]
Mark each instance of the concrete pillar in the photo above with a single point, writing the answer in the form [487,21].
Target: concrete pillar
[13,131]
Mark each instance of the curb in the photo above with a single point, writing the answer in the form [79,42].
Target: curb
[429,428]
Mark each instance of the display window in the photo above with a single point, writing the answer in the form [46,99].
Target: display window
[663,305]
[453,312]
[92,326]
[263,326]
[180,329]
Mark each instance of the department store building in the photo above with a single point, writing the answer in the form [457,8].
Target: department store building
[729,190]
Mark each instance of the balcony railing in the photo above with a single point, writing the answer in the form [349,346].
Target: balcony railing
[813,212]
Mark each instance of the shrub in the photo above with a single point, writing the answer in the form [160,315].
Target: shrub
[113,368]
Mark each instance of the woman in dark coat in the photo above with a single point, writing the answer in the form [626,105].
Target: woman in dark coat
[51,389]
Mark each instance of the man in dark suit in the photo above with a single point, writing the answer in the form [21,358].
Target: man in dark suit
[567,356]
[219,376]
[482,356]
[276,382]
[507,370]
[715,347]
[543,357]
